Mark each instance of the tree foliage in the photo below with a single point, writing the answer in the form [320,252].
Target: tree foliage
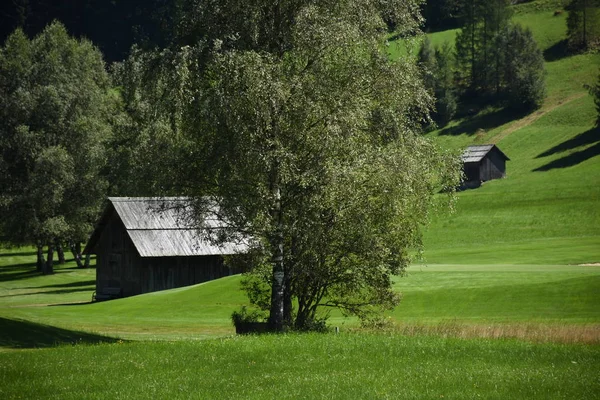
[477,56]
[595,92]
[497,60]
[441,14]
[583,24]
[522,68]
[158,97]
[304,134]
[114,26]
[437,68]
[56,106]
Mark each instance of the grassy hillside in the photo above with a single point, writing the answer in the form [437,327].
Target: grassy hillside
[555,303]
[546,210]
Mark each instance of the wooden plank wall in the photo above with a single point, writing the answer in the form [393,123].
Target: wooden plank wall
[119,265]
[161,273]
[493,166]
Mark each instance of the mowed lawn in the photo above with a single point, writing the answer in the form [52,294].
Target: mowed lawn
[452,337]
[549,299]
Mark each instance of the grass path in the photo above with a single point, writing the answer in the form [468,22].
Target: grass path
[531,118]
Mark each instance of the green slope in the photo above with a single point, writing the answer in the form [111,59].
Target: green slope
[545,298]
[546,210]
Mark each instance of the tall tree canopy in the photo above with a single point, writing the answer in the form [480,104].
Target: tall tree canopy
[583,24]
[497,60]
[437,66]
[477,55]
[295,123]
[55,105]
[112,25]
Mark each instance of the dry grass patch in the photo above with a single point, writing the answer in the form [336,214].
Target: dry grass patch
[538,333]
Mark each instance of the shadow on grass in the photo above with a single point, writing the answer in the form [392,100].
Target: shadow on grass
[487,121]
[6,273]
[583,139]
[591,136]
[65,285]
[19,334]
[557,51]
[10,267]
[15,276]
[20,254]
[43,292]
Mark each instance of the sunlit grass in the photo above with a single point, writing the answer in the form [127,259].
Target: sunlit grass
[306,366]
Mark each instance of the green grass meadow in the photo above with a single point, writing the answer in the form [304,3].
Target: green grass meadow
[343,366]
[505,304]
[462,331]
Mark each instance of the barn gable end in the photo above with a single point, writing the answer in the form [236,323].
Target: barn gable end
[142,245]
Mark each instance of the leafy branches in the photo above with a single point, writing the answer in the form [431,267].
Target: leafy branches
[56,108]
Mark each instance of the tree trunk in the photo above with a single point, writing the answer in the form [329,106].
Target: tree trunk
[584,24]
[473,45]
[41,263]
[61,254]
[276,320]
[484,83]
[76,251]
[287,293]
[87,261]
[49,270]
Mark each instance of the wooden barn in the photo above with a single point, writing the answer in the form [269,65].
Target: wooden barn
[483,163]
[143,245]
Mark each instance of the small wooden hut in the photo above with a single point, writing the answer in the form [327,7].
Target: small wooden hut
[145,245]
[483,163]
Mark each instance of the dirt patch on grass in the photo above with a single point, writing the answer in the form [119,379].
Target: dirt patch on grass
[589,265]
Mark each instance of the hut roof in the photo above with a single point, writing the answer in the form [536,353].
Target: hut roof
[158,227]
[476,153]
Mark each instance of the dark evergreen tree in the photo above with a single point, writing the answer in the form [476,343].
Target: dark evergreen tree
[445,94]
[595,92]
[522,68]
[114,26]
[441,14]
[476,56]
[583,24]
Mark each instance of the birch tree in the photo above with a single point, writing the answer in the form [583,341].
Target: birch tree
[300,131]
[306,136]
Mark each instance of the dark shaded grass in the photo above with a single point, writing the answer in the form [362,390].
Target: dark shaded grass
[17,253]
[25,334]
[557,51]
[482,121]
[588,137]
[65,285]
[571,159]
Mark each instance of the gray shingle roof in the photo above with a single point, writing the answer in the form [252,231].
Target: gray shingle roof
[476,153]
[158,228]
